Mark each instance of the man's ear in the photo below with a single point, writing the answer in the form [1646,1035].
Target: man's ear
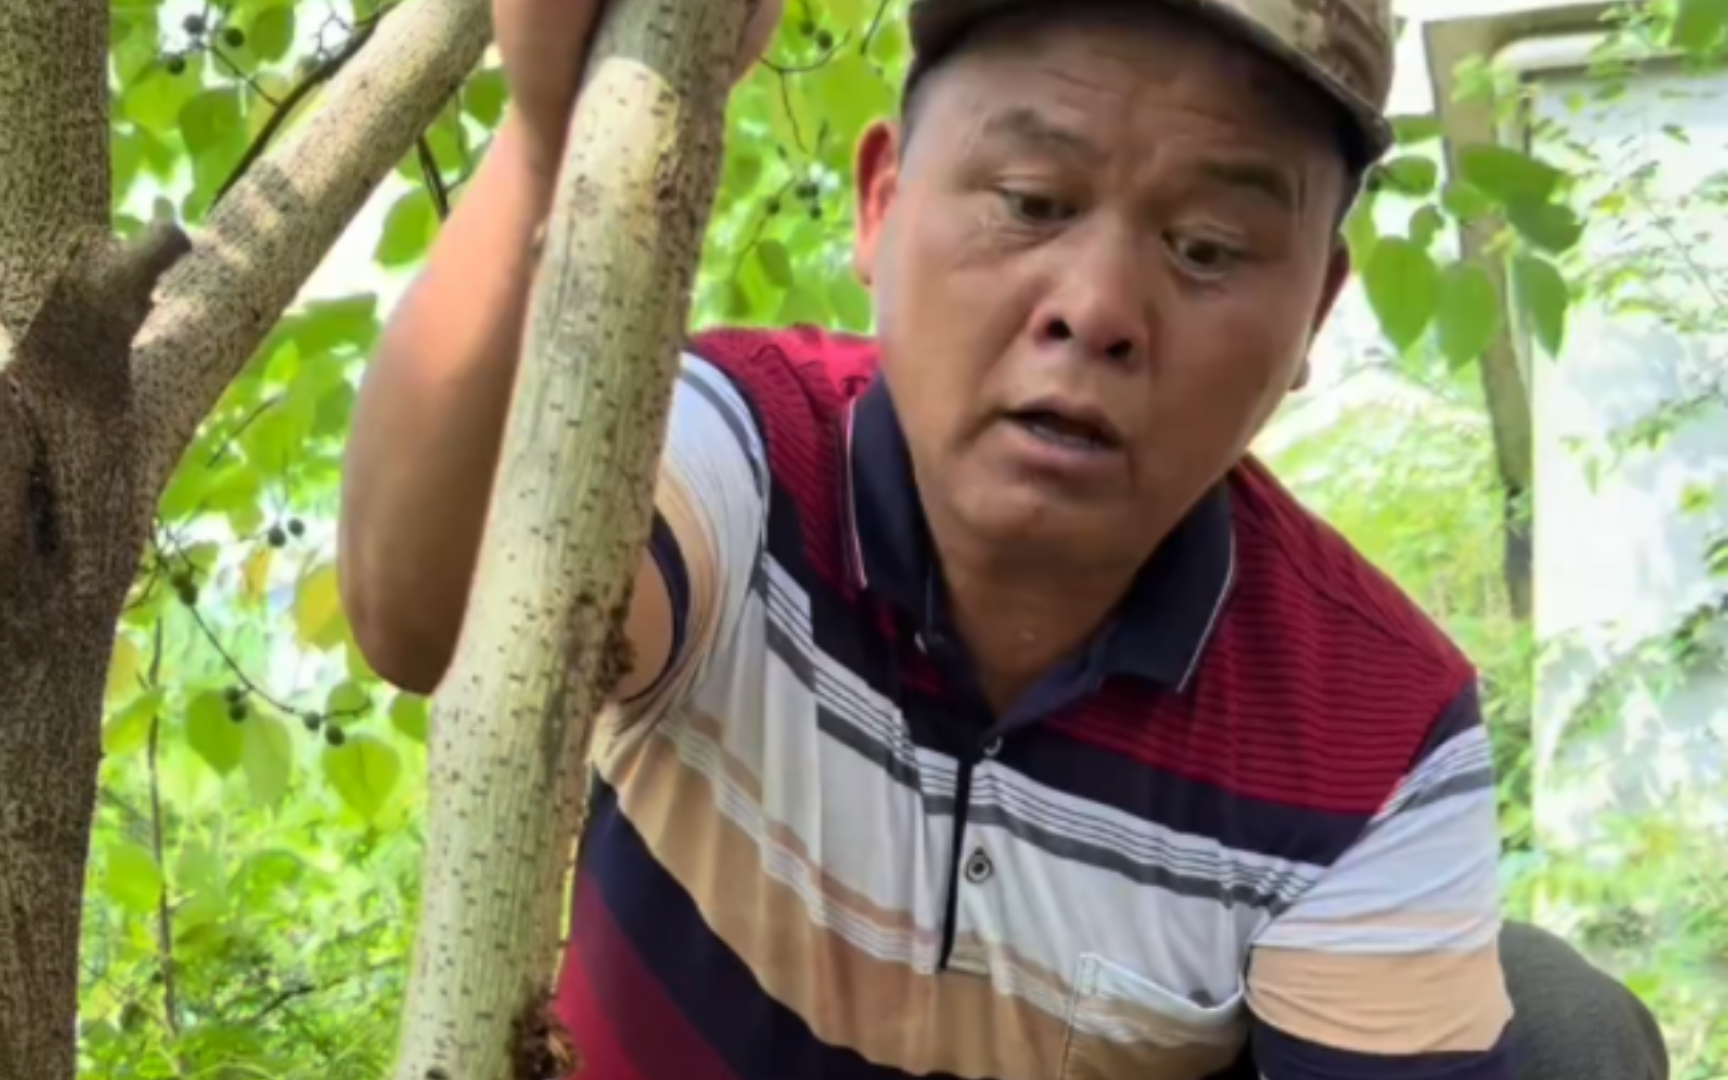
[877,179]
[1337,273]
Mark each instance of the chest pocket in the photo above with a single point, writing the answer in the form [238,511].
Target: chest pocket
[1123,1026]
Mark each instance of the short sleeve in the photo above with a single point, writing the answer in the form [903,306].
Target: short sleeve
[1389,967]
[709,521]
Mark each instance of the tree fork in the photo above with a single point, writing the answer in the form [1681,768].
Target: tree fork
[569,521]
[100,392]
[69,546]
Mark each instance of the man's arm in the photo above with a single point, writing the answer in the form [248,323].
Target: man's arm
[1390,966]
[426,437]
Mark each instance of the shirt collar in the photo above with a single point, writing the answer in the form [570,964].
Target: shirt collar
[1164,623]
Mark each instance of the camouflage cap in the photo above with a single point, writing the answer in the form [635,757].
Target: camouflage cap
[1345,47]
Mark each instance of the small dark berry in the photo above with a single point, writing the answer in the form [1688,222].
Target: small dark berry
[808,28]
[773,207]
[808,190]
[335,736]
[237,711]
[187,592]
[824,41]
[176,65]
[815,213]
[234,695]
[278,537]
[234,37]
[194,24]
[312,721]
[296,527]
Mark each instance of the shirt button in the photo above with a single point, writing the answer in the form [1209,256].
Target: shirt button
[979,868]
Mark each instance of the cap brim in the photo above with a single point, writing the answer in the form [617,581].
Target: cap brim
[936,25]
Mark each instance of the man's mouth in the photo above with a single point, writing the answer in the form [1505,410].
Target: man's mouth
[1069,429]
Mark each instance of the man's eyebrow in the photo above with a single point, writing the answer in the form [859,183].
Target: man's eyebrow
[1032,129]
[1258,178]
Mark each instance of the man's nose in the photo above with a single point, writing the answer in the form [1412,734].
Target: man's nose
[1099,303]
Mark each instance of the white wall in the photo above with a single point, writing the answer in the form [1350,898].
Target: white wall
[1620,562]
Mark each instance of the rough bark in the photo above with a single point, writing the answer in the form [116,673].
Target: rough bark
[67,554]
[99,396]
[569,520]
[53,143]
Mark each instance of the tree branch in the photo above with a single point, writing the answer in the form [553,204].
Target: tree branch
[53,143]
[272,229]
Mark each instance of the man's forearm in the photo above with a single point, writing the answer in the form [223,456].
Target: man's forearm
[431,415]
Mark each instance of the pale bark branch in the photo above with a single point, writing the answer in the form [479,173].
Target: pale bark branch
[268,235]
[53,143]
[570,516]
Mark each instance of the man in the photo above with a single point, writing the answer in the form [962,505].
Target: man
[994,713]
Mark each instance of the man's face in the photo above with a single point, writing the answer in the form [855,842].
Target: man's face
[1098,264]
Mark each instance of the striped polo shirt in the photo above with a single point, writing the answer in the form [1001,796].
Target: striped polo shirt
[1250,827]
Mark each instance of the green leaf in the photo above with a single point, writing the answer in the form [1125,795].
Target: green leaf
[852,304]
[154,102]
[409,715]
[272,32]
[776,263]
[1467,312]
[330,325]
[1425,224]
[1505,174]
[1465,201]
[1542,298]
[267,753]
[364,771]
[1403,287]
[210,117]
[131,877]
[802,307]
[123,668]
[485,96]
[1551,227]
[1415,129]
[1411,175]
[347,700]
[409,229]
[129,729]
[1361,232]
[318,609]
[213,734]
[1698,24]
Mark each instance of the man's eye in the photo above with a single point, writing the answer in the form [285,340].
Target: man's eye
[1035,209]
[1203,256]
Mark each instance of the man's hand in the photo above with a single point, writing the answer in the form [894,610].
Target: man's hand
[544,43]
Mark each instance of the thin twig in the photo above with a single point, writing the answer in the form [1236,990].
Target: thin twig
[875,25]
[240,429]
[815,65]
[779,197]
[321,73]
[250,81]
[164,921]
[433,178]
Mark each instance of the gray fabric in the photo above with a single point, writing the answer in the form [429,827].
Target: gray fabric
[1572,1021]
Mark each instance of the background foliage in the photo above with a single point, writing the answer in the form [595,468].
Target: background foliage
[257,848]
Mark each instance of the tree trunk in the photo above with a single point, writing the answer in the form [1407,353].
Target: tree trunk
[101,391]
[570,517]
